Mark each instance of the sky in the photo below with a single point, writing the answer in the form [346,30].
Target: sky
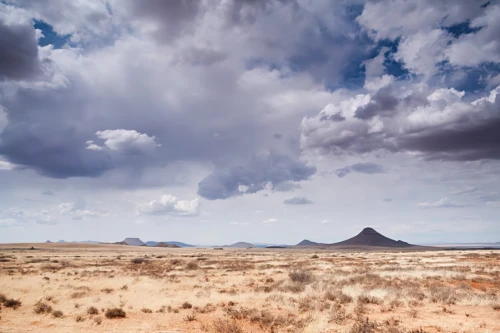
[273,121]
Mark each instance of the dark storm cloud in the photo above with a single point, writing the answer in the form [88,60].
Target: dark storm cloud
[18,52]
[382,103]
[173,17]
[471,141]
[225,181]
[297,201]
[366,168]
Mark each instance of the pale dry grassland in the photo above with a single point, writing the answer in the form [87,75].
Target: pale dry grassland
[107,288]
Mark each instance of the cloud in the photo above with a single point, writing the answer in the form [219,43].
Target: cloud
[238,223]
[270,221]
[286,187]
[442,203]
[18,50]
[429,122]
[125,140]
[19,217]
[297,201]
[78,211]
[257,173]
[47,192]
[464,190]
[324,222]
[170,205]
[366,168]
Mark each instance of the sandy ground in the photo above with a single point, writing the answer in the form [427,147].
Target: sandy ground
[246,290]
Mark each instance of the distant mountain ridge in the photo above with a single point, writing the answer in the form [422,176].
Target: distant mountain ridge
[133,241]
[179,244]
[367,237]
[241,245]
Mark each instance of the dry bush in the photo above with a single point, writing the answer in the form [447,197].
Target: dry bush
[146,310]
[301,276]
[92,310]
[442,294]
[366,299]
[338,296]
[115,313]
[12,303]
[3,298]
[496,307]
[98,320]
[57,314]
[191,317]
[139,260]
[226,326]
[364,326]
[338,315]
[79,319]
[41,307]
[78,294]
[192,265]
[186,305]
[107,290]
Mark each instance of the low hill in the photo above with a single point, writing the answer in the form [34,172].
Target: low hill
[240,245]
[133,242]
[370,237]
[163,244]
[179,244]
[367,237]
[307,242]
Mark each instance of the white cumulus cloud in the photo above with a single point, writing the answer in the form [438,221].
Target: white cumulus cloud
[170,205]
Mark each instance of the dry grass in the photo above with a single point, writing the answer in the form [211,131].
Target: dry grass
[248,290]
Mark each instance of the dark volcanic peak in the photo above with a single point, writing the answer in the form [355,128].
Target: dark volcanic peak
[133,241]
[370,237]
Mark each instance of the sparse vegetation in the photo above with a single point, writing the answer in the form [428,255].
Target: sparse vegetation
[41,308]
[186,305]
[57,314]
[115,313]
[92,310]
[301,276]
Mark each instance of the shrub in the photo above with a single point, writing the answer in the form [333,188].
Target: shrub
[301,276]
[139,260]
[227,326]
[115,313]
[107,290]
[192,265]
[92,310]
[186,305]
[12,303]
[496,307]
[315,256]
[79,319]
[364,326]
[98,320]
[78,294]
[2,298]
[146,310]
[57,314]
[41,307]
[191,317]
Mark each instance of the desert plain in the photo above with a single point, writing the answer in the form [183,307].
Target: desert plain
[115,288]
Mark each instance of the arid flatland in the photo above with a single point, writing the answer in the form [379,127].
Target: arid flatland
[80,288]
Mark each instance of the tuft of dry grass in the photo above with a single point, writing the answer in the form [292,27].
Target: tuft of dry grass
[301,276]
[186,305]
[57,314]
[92,310]
[41,307]
[12,303]
[146,310]
[115,313]
[226,326]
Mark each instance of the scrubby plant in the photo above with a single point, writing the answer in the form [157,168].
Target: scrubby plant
[115,313]
[301,276]
[92,310]
[186,305]
[57,314]
[41,307]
